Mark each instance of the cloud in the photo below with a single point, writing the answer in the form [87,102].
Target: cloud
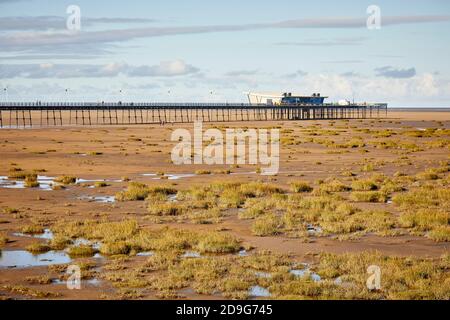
[298,73]
[64,71]
[58,22]
[164,69]
[326,42]
[19,41]
[390,72]
[237,73]
[349,74]
[343,61]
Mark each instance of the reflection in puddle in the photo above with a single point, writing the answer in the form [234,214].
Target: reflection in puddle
[85,242]
[313,230]
[45,183]
[191,254]
[305,273]
[100,199]
[243,253]
[93,282]
[260,274]
[25,259]
[257,291]
[172,198]
[47,235]
[145,254]
[169,176]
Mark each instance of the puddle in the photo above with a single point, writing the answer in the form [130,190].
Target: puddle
[145,254]
[243,253]
[45,183]
[79,180]
[305,273]
[25,259]
[85,242]
[93,282]
[260,274]
[169,176]
[172,198]
[100,199]
[313,230]
[48,235]
[191,254]
[257,291]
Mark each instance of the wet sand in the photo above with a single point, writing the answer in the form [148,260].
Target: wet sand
[114,152]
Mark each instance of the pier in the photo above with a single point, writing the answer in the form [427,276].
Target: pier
[45,114]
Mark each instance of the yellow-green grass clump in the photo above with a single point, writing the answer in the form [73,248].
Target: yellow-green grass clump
[202,171]
[134,192]
[66,180]
[266,225]
[216,242]
[364,185]
[301,186]
[402,278]
[429,174]
[166,209]
[32,229]
[31,181]
[81,251]
[114,248]
[3,239]
[140,191]
[333,186]
[440,233]
[424,197]
[255,207]
[101,184]
[368,196]
[38,247]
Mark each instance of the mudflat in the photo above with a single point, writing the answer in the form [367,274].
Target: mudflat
[109,200]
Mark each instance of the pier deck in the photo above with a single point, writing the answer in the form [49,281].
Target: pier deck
[29,114]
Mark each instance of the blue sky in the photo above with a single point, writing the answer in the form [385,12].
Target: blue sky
[214,50]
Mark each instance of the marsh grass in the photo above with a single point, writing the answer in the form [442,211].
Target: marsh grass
[81,251]
[31,181]
[3,239]
[301,186]
[364,185]
[440,233]
[139,191]
[101,184]
[10,210]
[32,229]
[38,247]
[66,180]
[332,186]
[216,242]
[166,209]
[266,225]
[403,278]
[368,196]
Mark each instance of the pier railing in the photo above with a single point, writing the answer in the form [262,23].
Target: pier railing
[27,114]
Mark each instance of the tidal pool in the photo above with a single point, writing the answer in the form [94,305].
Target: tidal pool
[258,291]
[25,259]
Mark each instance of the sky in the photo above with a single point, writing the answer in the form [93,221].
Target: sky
[213,51]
